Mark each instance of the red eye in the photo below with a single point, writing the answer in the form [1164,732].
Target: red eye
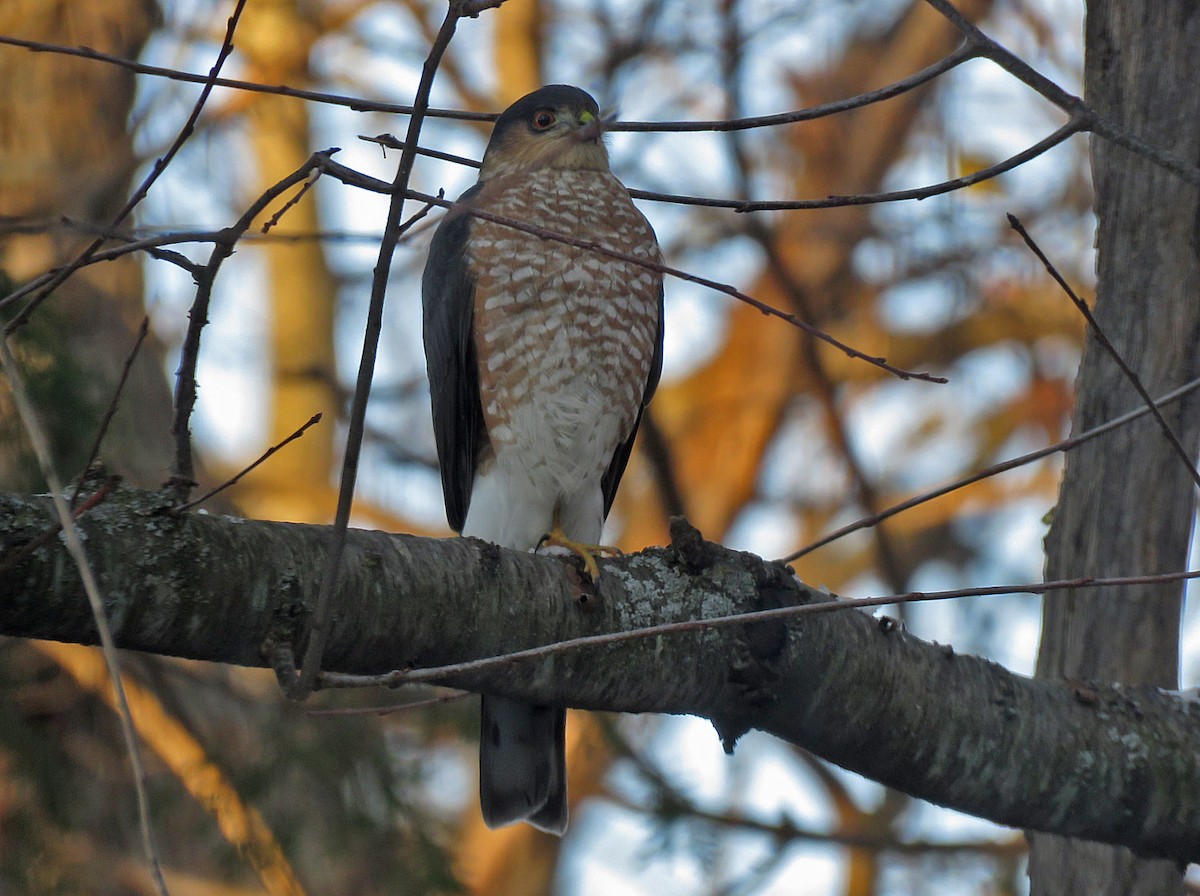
[543,120]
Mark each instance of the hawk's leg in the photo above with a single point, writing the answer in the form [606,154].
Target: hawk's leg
[586,552]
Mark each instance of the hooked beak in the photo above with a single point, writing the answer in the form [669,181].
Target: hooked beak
[591,128]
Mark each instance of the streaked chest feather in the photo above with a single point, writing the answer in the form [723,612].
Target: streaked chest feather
[564,335]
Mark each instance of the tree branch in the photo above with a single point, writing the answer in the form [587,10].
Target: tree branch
[1104,763]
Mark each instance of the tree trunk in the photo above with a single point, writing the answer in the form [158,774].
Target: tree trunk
[75,163]
[1127,503]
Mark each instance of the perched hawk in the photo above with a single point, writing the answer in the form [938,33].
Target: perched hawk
[541,357]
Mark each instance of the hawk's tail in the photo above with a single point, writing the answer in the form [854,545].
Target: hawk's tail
[522,764]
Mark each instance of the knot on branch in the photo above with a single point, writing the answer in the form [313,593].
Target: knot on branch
[758,648]
[688,548]
[282,645]
[756,662]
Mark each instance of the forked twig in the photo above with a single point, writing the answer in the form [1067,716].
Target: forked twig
[1075,107]
[189,354]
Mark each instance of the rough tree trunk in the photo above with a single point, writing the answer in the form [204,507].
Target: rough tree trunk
[1127,502]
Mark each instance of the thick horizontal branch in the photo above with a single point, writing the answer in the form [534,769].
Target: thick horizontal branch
[1114,764]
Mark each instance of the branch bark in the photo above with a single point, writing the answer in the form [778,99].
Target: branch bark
[1105,763]
[1128,502]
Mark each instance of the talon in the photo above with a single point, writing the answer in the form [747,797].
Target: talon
[586,552]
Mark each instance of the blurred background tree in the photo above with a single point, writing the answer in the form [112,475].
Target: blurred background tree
[765,438]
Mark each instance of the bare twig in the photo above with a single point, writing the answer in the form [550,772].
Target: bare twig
[313,177]
[96,498]
[1104,342]
[389,710]
[978,45]
[189,355]
[153,244]
[300,686]
[94,452]
[131,243]
[189,126]
[1072,127]
[150,244]
[1090,119]
[437,673]
[744,205]
[787,830]
[356,103]
[994,469]
[312,421]
[177,747]
[41,448]
[649,264]
[139,194]
[657,450]
[390,141]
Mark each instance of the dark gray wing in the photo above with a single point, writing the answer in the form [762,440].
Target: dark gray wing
[448,313]
[616,467]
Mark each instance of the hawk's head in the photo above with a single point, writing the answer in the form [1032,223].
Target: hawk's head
[555,127]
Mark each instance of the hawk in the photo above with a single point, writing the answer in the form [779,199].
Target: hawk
[541,357]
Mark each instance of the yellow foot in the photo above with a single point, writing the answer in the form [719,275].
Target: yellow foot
[586,552]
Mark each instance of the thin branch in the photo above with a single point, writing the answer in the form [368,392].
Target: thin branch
[64,224]
[649,264]
[41,448]
[131,243]
[189,355]
[139,194]
[152,244]
[798,299]
[1091,120]
[357,104]
[300,686]
[823,110]
[391,141]
[96,498]
[312,421]
[654,446]
[786,830]
[148,244]
[1101,338]
[826,389]
[362,104]
[189,126]
[94,451]
[994,469]
[1044,145]
[433,674]
[453,697]
[1072,127]
[313,177]
[978,45]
